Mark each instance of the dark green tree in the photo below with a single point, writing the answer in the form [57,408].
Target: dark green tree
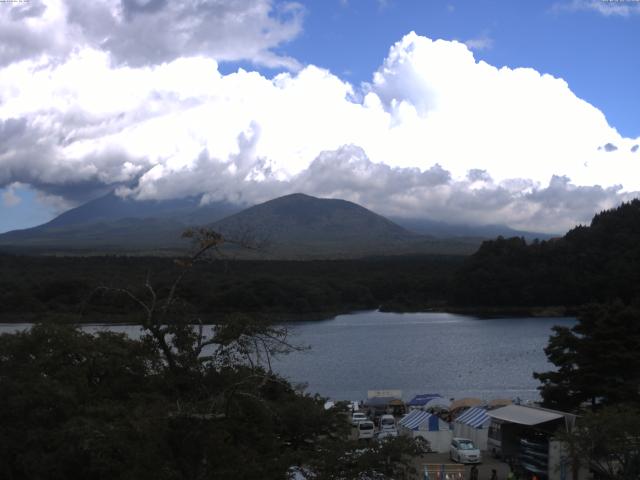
[597,360]
[607,442]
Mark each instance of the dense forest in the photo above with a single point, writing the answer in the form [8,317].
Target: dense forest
[69,287]
[596,263]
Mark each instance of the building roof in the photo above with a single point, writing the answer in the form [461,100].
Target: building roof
[474,417]
[524,415]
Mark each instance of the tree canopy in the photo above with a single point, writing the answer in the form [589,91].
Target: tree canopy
[598,263]
[597,360]
[184,402]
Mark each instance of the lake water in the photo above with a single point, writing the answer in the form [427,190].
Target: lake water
[454,355]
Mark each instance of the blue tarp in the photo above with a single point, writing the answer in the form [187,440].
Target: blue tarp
[475,417]
[416,418]
[420,400]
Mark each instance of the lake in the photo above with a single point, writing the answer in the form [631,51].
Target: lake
[454,355]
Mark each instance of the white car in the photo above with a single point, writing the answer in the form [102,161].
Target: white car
[365,429]
[358,417]
[463,450]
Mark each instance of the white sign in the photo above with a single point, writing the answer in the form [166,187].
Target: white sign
[384,393]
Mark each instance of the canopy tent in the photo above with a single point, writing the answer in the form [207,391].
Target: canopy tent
[474,417]
[473,424]
[419,420]
[499,402]
[465,403]
[422,399]
[437,403]
[524,415]
[423,424]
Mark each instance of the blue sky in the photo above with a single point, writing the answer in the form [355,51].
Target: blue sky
[595,53]
[250,99]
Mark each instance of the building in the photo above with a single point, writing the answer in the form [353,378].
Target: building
[526,437]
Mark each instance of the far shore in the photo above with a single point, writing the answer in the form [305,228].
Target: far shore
[287,317]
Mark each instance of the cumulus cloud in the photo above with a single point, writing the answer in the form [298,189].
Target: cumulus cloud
[435,133]
[433,193]
[552,207]
[634,149]
[144,32]
[483,42]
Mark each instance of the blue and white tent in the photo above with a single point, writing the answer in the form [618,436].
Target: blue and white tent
[419,423]
[429,402]
[475,417]
[419,420]
[421,400]
[473,424]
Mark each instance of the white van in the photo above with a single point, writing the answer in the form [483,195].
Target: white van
[358,417]
[365,429]
[387,422]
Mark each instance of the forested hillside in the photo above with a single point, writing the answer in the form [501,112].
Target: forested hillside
[595,263]
[31,287]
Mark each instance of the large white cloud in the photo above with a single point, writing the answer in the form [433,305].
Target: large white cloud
[434,134]
[143,32]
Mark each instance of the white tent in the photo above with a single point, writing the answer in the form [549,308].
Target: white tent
[474,425]
[419,423]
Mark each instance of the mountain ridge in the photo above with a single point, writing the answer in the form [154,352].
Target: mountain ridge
[295,225]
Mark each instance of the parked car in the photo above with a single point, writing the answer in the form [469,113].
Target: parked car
[387,422]
[365,429]
[358,417]
[463,450]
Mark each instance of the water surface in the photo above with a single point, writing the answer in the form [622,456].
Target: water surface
[454,355]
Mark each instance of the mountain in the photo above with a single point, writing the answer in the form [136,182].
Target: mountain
[115,223]
[293,226]
[453,230]
[302,225]
[111,207]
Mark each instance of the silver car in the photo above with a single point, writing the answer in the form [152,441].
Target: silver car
[463,450]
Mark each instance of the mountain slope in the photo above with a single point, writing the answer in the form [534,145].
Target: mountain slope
[301,225]
[300,217]
[113,222]
[294,226]
[452,230]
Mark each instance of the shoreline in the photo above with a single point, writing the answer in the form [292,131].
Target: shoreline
[290,317]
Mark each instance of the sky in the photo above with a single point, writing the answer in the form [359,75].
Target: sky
[522,113]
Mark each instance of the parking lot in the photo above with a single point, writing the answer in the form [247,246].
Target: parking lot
[484,469]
